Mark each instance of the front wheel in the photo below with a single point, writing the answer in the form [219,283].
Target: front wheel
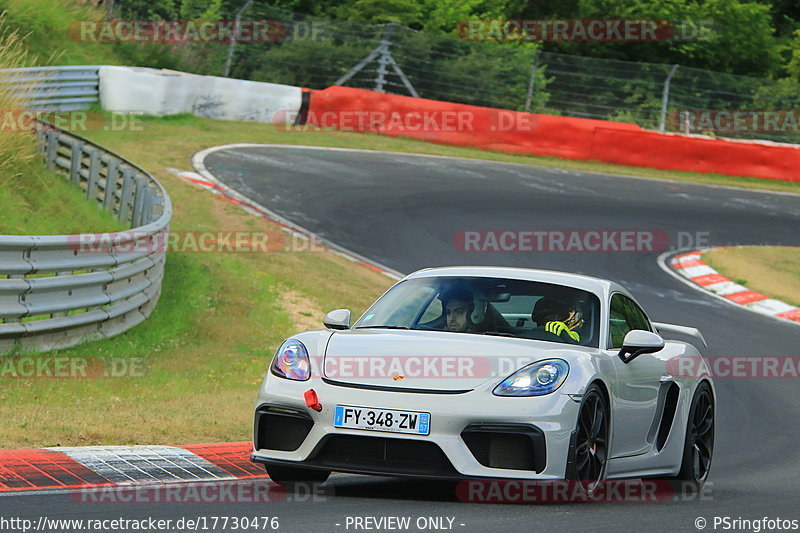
[698,447]
[589,452]
[290,475]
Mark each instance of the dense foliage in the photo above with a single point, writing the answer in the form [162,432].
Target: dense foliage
[751,37]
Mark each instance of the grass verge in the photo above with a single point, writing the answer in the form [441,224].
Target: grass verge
[33,200]
[774,271]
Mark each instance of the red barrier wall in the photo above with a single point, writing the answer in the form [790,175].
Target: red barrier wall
[694,154]
[546,135]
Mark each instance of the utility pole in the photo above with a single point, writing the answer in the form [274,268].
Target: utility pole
[234,38]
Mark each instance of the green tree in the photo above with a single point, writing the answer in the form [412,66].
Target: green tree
[742,40]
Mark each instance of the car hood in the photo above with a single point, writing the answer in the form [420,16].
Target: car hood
[430,360]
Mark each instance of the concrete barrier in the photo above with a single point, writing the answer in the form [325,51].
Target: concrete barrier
[162,92]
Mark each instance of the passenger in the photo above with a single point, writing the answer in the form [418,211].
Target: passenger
[457,306]
[557,318]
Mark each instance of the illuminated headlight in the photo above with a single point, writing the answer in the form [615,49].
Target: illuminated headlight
[291,361]
[536,379]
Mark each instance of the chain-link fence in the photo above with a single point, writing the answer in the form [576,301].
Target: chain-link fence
[317,52]
[670,97]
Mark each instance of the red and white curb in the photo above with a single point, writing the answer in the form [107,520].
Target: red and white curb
[699,274]
[97,466]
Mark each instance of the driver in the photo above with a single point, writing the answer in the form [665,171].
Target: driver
[557,318]
[457,306]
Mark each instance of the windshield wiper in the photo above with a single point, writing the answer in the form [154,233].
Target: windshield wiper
[382,327]
[500,334]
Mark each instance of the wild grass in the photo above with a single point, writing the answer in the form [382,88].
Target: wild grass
[33,200]
[17,150]
[774,271]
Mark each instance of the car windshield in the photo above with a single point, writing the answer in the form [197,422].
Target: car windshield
[489,306]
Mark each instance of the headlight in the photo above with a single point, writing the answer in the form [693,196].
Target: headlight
[291,361]
[536,379]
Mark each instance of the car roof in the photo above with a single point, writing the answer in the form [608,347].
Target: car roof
[596,285]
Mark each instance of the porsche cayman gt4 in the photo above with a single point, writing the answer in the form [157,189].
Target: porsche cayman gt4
[485,372]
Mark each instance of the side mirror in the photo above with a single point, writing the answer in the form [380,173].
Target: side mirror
[638,342]
[337,319]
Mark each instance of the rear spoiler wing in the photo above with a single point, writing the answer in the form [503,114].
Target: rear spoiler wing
[684,330]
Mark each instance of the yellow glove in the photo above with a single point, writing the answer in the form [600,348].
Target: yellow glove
[558,328]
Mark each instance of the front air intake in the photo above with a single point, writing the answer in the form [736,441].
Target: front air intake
[509,446]
[281,429]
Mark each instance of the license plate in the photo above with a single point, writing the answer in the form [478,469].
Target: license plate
[415,423]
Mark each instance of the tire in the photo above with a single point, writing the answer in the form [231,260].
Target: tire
[698,445]
[290,475]
[588,453]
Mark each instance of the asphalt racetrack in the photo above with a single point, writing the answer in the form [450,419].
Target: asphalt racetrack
[403,211]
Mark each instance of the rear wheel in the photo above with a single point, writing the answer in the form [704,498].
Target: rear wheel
[698,447]
[589,453]
[290,475]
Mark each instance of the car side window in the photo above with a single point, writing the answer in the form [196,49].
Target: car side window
[433,311]
[625,315]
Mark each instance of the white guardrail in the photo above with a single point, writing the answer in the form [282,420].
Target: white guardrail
[55,88]
[55,291]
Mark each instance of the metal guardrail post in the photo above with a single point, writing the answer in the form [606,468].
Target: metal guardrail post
[148,204]
[112,169]
[75,163]
[138,201]
[52,150]
[94,175]
[126,195]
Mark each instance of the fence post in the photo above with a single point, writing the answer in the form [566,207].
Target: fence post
[665,98]
[232,46]
[384,57]
[529,98]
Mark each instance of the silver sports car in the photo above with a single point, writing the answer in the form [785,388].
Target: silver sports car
[486,372]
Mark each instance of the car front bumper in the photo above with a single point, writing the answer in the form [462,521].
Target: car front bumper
[537,429]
